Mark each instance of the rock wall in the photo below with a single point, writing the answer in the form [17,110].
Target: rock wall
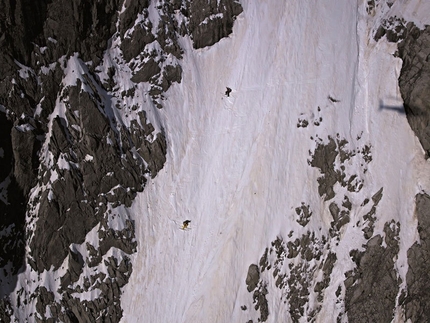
[417,296]
[414,81]
[76,145]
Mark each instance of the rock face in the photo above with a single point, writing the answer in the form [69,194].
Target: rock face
[372,288]
[414,81]
[417,298]
[78,78]
[211,20]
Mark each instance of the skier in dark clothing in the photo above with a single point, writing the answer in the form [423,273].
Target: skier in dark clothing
[228,91]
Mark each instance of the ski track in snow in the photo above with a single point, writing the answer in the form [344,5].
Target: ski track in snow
[237,166]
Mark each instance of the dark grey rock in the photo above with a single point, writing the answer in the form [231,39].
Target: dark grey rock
[293,248]
[75,268]
[156,70]
[121,239]
[21,24]
[44,297]
[91,160]
[168,30]
[376,198]
[370,217]
[302,123]
[327,269]
[372,288]
[5,310]
[298,293]
[261,303]
[324,157]
[171,74]
[393,28]
[135,44]
[414,81]
[334,211]
[340,217]
[346,203]
[80,197]
[296,281]
[253,277]
[211,20]
[304,214]
[79,26]
[149,70]
[13,208]
[263,260]
[129,15]
[416,302]
[105,308]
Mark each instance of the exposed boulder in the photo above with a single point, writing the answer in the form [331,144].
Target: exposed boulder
[253,277]
[211,20]
[148,70]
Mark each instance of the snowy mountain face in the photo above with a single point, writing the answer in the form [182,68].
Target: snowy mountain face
[294,135]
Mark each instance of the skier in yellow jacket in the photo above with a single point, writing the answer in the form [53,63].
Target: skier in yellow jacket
[185,224]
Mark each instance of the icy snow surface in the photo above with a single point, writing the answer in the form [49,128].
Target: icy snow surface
[237,166]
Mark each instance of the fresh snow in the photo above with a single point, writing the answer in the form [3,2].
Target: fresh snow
[237,166]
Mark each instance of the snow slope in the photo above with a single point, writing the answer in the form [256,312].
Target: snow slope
[237,166]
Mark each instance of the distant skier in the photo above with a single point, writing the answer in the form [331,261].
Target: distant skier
[228,91]
[185,224]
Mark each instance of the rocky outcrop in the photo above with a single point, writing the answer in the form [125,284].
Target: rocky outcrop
[372,287]
[393,28]
[253,277]
[105,308]
[21,24]
[93,163]
[206,22]
[294,276]
[5,310]
[76,144]
[291,266]
[12,208]
[324,158]
[414,81]
[416,299]
[211,20]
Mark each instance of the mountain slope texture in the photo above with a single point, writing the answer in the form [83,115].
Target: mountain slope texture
[293,135]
